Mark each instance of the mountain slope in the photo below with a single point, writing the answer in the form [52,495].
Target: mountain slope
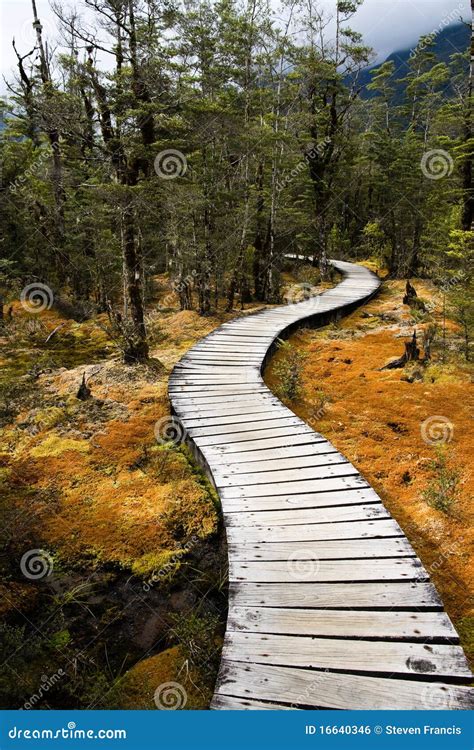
[453,39]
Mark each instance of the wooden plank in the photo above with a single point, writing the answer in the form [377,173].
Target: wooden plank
[303,435]
[333,550]
[316,447]
[308,540]
[247,436]
[305,687]
[210,397]
[313,531]
[285,488]
[191,400]
[217,390]
[400,594]
[385,657]
[209,378]
[272,464]
[232,411]
[232,362]
[246,427]
[211,419]
[304,500]
[341,469]
[312,571]
[234,356]
[230,703]
[412,626]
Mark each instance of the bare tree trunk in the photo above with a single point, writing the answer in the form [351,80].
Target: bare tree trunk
[53,133]
[136,347]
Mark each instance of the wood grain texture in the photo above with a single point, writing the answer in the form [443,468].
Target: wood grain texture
[329,605]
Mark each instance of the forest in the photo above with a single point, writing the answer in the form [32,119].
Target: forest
[160,162]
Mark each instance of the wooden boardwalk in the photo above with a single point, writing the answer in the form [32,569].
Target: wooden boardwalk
[329,605]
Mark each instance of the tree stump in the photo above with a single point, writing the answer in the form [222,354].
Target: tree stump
[84,391]
[412,354]
[411,298]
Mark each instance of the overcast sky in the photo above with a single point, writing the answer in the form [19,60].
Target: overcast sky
[387,25]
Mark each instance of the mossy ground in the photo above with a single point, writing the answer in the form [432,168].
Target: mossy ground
[375,417]
[130,524]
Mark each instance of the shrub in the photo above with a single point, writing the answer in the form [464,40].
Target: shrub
[288,372]
[196,636]
[442,491]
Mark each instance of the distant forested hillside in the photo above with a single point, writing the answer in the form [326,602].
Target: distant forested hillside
[452,39]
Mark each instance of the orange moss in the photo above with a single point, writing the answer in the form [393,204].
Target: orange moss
[375,418]
[105,488]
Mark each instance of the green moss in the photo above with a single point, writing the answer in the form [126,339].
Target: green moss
[442,373]
[47,418]
[465,628]
[162,564]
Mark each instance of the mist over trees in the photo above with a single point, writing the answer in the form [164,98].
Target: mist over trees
[210,139]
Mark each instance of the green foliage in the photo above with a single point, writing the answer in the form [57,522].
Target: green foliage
[288,372]
[196,636]
[443,490]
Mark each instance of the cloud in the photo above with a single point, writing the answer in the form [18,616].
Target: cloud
[387,25]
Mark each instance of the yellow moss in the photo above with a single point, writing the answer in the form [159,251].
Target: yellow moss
[440,373]
[47,418]
[162,563]
[139,685]
[54,445]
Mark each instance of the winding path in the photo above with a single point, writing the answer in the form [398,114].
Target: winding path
[329,605]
